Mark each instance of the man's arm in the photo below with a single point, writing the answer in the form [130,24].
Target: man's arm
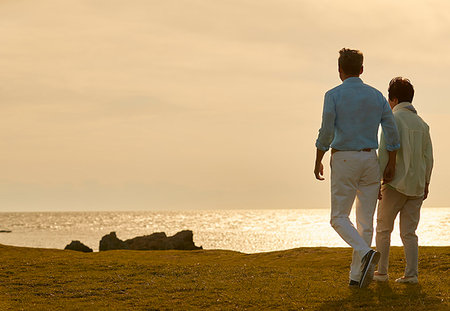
[326,134]
[389,127]
[426,191]
[389,171]
[392,139]
[428,155]
[318,168]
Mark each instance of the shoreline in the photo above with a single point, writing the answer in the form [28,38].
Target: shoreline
[225,250]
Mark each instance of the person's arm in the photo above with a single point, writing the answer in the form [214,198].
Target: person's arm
[326,134]
[389,127]
[389,171]
[428,155]
[318,168]
[426,191]
[392,139]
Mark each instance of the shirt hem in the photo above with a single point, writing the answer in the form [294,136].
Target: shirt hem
[405,193]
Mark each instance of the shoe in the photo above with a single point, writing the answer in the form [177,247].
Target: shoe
[408,280]
[353,283]
[380,277]
[369,262]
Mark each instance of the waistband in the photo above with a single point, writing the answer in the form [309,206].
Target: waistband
[365,150]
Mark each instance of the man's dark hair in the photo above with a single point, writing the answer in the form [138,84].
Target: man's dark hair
[350,61]
[402,89]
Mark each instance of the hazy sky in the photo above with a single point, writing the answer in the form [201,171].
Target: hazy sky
[186,104]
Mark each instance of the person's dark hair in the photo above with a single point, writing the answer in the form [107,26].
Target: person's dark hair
[350,61]
[402,89]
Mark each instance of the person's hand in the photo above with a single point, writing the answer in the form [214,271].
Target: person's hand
[425,192]
[318,171]
[388,174]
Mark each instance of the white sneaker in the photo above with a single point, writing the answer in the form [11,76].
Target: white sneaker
[409,279]
[380,277]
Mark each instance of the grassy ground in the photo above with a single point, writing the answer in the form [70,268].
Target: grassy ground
[298,279]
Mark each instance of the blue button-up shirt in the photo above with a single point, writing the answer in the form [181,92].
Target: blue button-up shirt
[352,114]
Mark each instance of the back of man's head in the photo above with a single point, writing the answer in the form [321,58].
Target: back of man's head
[350,61]
[402,89]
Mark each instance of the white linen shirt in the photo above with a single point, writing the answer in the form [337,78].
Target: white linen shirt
[414,160]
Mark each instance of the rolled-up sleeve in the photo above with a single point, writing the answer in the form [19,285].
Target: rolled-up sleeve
[326,132]
[389,128]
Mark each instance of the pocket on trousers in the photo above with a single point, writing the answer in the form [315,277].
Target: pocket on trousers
[372,174]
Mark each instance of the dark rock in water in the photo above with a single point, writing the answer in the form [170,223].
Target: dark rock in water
[183,240]
[78,246]
[155,241]
[111,241]
[5,231]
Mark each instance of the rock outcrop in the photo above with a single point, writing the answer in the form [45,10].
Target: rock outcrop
[183,240]
[110,242]
[78,246]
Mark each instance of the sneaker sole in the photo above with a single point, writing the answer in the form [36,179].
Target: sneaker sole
[368,274]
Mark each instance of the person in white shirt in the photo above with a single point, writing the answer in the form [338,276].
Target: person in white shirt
[352,114]
[405,193]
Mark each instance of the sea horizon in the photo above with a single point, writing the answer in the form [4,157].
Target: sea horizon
[178,210]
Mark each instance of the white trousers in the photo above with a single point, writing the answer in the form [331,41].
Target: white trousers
[393,203]
[354,174]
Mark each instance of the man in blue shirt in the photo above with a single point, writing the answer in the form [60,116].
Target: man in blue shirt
[352,114]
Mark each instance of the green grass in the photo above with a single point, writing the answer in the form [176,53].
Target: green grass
[298,279]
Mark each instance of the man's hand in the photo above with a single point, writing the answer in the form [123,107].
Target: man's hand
[426,191]
[389,173]
[318,171]
[318,168]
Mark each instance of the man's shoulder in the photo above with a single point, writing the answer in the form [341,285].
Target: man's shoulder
[401,116]
[372,89]
[424,123]
[365,86]
[333,90]
[406,116]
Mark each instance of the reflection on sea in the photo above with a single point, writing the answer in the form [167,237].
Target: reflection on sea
[246,231]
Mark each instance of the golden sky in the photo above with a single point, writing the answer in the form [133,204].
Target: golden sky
[186,104]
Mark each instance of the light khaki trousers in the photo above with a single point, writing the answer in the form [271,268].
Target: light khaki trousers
[392,203]
[354,175]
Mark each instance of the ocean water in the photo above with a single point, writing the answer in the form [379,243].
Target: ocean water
[247,231]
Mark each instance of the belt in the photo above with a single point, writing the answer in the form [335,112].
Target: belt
[365,150]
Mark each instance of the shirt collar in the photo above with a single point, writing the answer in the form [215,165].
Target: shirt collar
[401,105]
[353,80]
